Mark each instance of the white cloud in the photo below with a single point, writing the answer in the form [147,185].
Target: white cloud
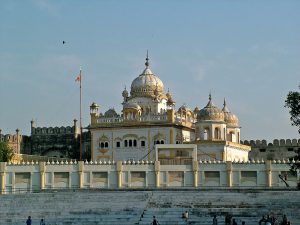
[48,6]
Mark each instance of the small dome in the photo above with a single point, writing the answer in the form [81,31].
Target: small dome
[183,108]
[170,100]
[131,106]
[196,110]
[94,105]
[111,113]
[125,93]
[147,83]
[230,118]
[211,112]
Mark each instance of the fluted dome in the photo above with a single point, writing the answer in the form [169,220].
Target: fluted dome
[230,118]
[111,113]
[147,83]
[131,106]
[211,112]
[183,108]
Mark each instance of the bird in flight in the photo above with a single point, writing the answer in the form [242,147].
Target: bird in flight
[64,42]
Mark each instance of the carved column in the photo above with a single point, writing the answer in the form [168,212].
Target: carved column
[195,170]
[42,175]
[157,173]
[269,173]
[119,171]
[2,177]
[229,173]
[81,169]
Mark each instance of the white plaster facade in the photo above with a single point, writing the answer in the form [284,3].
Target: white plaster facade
[149,118]
[135,143]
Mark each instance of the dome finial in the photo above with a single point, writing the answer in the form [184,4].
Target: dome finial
[147,60]
[209,104]
[225,108]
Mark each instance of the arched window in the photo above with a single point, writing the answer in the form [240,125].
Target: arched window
[157,142]
[126,143]
[216,134]
[134,143]
[162,141]
[130,143]
[106,144]
[231,135]
[206,134]
[102,145]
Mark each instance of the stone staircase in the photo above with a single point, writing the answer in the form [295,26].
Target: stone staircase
[129,207]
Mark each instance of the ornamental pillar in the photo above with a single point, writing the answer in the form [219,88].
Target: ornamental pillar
[119,172]
[157,173]
[80,170]
[171,115]
[229,173]
[269,173]
[42,175]
[2,177]
[195,170]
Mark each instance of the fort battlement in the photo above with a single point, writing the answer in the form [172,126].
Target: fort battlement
[276,142]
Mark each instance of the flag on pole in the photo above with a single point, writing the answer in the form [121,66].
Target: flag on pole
[78,78]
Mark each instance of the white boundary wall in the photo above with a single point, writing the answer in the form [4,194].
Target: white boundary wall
[36,176]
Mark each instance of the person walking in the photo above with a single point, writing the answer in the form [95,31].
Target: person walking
[186,215]
[28,221]
[154,222]
[215,220]
[42,222]
[234,222]
[228,219]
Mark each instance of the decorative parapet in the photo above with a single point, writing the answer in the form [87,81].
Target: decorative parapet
[52,162]
[251,161]
[143,162]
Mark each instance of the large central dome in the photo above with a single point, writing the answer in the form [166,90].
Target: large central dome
[146,84]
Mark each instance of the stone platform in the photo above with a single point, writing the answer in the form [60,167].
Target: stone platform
[129,207]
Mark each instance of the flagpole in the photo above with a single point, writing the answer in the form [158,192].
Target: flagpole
[80,148]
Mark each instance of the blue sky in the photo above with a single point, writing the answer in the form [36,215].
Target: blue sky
[246,51]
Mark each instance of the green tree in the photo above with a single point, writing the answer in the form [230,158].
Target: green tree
[293,103]
[6,153]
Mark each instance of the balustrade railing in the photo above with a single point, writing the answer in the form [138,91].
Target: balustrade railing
[145,118]
[176,161]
